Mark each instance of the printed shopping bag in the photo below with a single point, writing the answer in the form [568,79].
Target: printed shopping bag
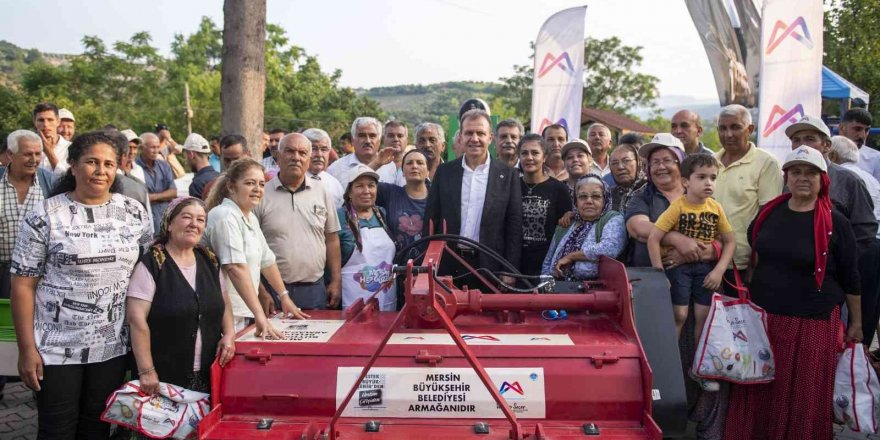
[734,345]
[856,391]
[174,412]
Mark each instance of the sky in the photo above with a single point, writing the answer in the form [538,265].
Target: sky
[389,42]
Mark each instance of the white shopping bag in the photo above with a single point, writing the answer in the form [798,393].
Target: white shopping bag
[856,391]
[734,345]
[173,413]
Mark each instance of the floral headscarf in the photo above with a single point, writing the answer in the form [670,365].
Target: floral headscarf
[175,207]
[582,227]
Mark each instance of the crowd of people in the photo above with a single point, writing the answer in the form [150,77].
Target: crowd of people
[103,260]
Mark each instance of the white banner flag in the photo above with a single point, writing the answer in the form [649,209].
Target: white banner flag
[559,72]
[791,69]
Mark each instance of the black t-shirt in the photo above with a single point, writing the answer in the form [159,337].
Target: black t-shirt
[783,282]
[543,205]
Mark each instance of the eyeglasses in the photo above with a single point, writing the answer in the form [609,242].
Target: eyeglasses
[621,162]
[585,197]
[665,162]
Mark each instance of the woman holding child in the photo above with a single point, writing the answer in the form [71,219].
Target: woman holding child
[805,267]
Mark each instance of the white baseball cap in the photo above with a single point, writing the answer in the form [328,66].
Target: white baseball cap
[130,135]
[196,142]
[661,140]
[808,123]
[361,170]
[805,155]
[65,114]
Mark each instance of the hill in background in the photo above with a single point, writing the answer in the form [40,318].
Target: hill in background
[433,102]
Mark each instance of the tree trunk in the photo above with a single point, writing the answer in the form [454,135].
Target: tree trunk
[243,86]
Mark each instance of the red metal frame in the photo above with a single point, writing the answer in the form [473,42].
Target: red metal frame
[515,428]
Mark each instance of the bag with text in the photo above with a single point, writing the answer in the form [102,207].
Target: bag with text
[856,391]
[734,345]
[174,412]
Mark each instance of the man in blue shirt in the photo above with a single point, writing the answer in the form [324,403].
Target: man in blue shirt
[196,151]
[159,177]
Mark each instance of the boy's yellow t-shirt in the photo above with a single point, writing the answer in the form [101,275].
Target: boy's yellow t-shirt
[701,222]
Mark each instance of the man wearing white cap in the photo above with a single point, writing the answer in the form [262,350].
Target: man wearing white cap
[67,126]
[127,163]
[851,196]
[197,150]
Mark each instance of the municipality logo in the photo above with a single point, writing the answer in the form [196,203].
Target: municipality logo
[797,30]
[515,387]
[779,117]
[550,62]
[547,122]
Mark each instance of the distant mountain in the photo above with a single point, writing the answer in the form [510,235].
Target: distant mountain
[14,61]
[415,103]
[670,104]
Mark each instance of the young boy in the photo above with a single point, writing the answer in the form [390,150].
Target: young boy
[696,215]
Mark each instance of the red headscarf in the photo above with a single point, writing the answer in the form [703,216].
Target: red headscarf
[821,225]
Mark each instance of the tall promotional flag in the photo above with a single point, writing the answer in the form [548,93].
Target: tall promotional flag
[791,69]
[559,72]
[731,34]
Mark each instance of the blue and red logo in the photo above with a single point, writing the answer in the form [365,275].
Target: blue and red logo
[781,31]
[551,61]
[779,116]
[515,387]
[489,338]
[545,122]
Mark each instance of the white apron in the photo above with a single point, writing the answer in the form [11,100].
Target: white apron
[370,271]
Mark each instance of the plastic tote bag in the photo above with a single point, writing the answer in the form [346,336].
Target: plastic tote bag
[856,391]
[174,412]
[734,345]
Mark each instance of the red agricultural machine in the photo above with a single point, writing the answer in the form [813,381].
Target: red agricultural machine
[458,363]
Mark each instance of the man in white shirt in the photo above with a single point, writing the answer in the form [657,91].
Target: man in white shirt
[128,165]
[396,137]
[366,133]
[845,153]
[599,139]
[320,156]
[855,125]
[46,122]
[478,198]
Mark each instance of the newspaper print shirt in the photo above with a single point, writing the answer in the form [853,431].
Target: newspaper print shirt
[84,256]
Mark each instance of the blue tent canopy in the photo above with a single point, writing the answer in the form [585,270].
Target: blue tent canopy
[835,86]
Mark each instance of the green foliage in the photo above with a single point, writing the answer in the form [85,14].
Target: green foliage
[610,80]
[415,103]
[852,46]
[130,84]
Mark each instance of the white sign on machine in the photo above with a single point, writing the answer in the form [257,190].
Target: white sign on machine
[296,330]
[441,392]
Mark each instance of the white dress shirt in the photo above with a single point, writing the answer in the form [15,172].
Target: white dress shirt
[869,160]
[343,166]
[61,154]
[331,185]
[873,187]
[137,172]
[474,183]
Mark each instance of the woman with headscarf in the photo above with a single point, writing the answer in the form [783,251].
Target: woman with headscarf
[805,267]
[73,257]
[366,244]
[178,308]
[597,231]
[627,174]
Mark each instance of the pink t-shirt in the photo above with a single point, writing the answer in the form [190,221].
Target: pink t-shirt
[142,286]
